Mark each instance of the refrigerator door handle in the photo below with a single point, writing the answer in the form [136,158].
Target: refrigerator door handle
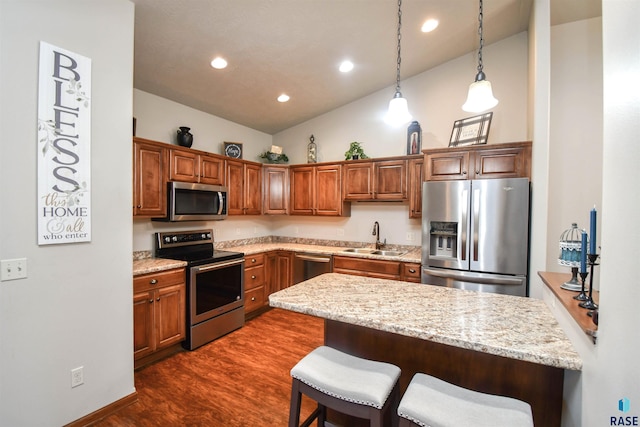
[467,277]
[464,199]
[476,222]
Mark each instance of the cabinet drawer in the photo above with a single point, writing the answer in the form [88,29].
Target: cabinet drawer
[150,281]
[411,272]
[254,277]
[253,260]
[253,299]
[367,267]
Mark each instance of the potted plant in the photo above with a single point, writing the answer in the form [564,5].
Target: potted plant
[355,152]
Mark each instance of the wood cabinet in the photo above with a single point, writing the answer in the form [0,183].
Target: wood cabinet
[317,190]
[512,160]
[187,165]
[416,174]
[382,269]
[149,178]
[159,318]
[375,180]
[254,282]
[410,272]
[244,180]
[279,271]
[275,190]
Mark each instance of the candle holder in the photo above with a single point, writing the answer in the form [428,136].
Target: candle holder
[588,303]
[582,296]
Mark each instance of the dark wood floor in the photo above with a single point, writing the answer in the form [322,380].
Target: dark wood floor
[241,379]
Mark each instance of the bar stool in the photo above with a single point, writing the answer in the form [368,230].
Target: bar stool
[348,384]
[430,401]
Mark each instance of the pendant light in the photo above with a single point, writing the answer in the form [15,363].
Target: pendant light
[480,97]
[398,113]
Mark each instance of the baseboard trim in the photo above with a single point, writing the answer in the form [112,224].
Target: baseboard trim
[104,412]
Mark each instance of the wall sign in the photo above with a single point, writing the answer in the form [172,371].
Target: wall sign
[64,146]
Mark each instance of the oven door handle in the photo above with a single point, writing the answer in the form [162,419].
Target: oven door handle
[219,265]
[313,258]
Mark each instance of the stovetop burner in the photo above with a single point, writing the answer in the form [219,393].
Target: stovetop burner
[195,247]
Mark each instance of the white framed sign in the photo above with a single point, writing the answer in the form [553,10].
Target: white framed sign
[64,146]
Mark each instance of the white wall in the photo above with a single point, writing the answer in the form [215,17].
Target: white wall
[74,309]
[575,129]
[435,98]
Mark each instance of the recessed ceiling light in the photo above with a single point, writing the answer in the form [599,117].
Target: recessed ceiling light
[346,66]
[283,98]
[219,63]
[429,25]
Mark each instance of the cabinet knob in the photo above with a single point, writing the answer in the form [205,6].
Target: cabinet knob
[477,172]
[253,298]
[253,260]
[139,206]
[253,277]
[158,299]
[151,301]
[411,270]
[464,172]
[153,281]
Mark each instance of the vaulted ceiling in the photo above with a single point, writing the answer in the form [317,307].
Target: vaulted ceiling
[295,47]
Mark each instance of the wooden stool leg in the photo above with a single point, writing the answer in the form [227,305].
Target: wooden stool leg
[294,408]
[322,415]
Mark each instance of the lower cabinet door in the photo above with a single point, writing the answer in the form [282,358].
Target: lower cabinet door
[143,330]
[170,315]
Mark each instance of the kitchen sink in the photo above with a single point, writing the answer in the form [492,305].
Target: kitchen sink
[360,250]
[387,253]
[373,252]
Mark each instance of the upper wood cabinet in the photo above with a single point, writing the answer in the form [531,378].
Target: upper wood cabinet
[512,160]
[244,181]
[149,178]
[191,166]
[416,173]
[275,190]
[316,190]
[375,180]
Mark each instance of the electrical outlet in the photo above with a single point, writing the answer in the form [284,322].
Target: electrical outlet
[12,269]
[237,231]
[410,236]
[340,232]
[77,376]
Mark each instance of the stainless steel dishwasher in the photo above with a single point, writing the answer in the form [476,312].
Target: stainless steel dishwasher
[306,266]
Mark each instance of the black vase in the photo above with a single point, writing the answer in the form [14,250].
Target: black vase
[184,137]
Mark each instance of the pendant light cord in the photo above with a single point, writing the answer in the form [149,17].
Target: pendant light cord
[480,16]
[399,38]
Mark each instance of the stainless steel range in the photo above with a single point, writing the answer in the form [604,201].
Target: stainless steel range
[215,284]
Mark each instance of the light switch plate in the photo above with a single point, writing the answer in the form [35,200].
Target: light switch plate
[12,269]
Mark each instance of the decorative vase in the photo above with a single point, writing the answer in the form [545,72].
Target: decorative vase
[185,138]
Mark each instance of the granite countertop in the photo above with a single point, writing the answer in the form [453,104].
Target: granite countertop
[144,263]
[515,327]
[154,265]
[413,255]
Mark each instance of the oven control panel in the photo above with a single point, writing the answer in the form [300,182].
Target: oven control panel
[183,238]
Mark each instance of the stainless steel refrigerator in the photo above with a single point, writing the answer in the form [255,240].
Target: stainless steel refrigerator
[475,234]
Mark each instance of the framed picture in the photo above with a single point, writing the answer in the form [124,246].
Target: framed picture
[471,131]
[233,149]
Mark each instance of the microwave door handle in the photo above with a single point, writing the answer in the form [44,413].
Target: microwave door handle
[220,203]
[464,200]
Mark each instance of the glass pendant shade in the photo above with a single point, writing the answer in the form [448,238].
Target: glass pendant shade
[398,113]
[480,97]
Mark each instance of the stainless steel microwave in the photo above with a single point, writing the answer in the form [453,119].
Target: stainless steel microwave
[195,202]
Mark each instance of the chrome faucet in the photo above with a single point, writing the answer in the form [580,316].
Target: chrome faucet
[376,232]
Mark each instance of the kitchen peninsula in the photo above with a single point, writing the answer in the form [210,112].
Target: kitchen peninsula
[497,344]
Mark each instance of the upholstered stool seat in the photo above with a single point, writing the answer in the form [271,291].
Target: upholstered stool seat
[348,384]
[429,401]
